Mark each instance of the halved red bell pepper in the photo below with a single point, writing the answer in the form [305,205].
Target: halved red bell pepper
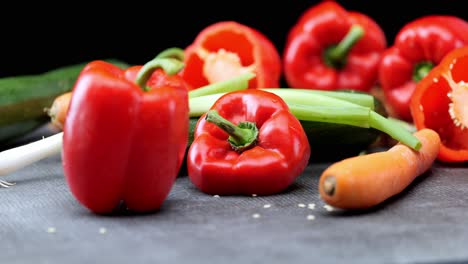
[125,135]
[331,48]
[226,49]
[418,47]
[440,102]
[248,143]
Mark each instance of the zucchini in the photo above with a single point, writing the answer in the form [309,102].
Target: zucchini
[23,98]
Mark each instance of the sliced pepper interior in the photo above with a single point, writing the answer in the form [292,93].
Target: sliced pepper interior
[222,65]
[458,108]
[220,58]
[446,105]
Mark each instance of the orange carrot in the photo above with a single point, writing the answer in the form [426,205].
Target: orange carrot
[58,110]
[364,181]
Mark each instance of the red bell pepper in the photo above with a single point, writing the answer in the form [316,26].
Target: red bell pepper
[330,48]
[440,102]
[248,143]
[125,135]
[418,47]
[226,49]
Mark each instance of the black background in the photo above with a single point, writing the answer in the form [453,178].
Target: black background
[37,38]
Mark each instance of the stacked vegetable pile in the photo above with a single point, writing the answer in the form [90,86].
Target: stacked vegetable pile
[217,107]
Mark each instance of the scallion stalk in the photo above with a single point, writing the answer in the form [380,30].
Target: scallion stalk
[348,115]
[394,129]
[318,107]
[361,99]
[19,157]
[240,82]
[200,105]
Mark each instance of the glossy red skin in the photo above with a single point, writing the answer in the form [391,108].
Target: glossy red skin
[427,38]
[281,154]
[430,105]
[123,144]
[321,26]
[252,47]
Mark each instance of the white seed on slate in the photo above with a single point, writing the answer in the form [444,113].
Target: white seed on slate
[267,206]
[328,208]
[311,217]
[102,230]
[311,206]
[51,230]
[256,215]
[301,205]
[254,195]
[216,196]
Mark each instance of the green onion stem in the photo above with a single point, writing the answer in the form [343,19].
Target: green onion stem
[321,108]
[348,115]
[240,82]
[362,99]
[394,129]
[311,98]
[200,105]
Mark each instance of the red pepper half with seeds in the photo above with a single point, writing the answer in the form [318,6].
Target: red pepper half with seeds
[440,102]
[248,143]
[227,49]
[418,47]
[330,48]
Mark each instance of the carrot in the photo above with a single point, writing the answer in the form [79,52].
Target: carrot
[364,181]
[58,110]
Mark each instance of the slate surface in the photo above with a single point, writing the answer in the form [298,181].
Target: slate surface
[41,222]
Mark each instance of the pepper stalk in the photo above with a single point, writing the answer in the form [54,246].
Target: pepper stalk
[241,137]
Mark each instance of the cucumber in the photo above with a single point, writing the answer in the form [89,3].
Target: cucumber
[23,98]
[332,142]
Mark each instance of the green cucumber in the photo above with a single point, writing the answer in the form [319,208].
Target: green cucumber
[23,98]
[333,142]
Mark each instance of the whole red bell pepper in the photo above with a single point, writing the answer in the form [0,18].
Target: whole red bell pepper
[226,49]
[330,48]
[248,143]
[125,135]
[440,102]
[418,47]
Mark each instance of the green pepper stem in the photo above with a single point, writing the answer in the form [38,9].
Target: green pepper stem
[335,56]
[421,70]
[169,65]
[241,137]
[175,53]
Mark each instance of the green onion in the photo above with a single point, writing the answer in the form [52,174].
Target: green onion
[349,115]
[240,82]
[318,107]
[395,130]
[200,105]
[362,99]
